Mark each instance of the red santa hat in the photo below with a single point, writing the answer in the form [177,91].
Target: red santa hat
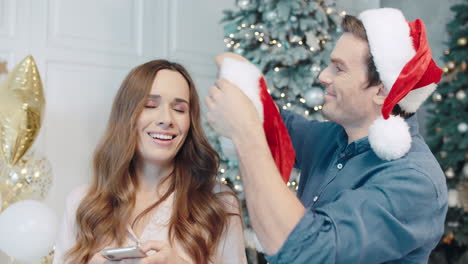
[250,80]
[409,74]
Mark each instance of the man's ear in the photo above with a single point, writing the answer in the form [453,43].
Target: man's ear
[379,97]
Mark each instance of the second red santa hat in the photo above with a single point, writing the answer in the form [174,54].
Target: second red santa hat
[250,80]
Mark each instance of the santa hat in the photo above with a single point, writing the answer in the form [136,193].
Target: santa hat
[409,74]
[250,80]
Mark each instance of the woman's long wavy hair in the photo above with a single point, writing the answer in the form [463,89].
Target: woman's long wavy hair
[200,216]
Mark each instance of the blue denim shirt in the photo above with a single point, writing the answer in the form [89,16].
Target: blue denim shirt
[359,208]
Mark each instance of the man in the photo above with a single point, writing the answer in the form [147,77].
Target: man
[370,189]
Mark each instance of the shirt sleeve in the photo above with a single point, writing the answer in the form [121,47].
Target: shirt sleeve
[66,236]
[231,248]
[378,222]
[295,124]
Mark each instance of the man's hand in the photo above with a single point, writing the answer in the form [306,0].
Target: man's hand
[230,111]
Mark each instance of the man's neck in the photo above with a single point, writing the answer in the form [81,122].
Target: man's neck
[357,131]
[355,134]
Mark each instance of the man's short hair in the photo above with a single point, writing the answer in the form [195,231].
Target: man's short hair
[353,25]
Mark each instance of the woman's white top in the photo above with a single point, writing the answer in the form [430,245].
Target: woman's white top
[231,248]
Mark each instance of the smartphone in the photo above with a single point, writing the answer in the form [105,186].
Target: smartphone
[123,253]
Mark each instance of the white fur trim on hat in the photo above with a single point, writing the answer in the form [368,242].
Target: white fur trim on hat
[390,42]
[390,139]
[414,99]
[246,76]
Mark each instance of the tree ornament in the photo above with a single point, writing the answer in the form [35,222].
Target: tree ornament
[450,173]
[448,239]
[451,65]
[462,127]
[460,95]
[314,97]
[437,97]
[461,42]
[453,198]
[463,66]
[443,154]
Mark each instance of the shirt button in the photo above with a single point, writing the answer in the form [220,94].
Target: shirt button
[315,199]
[339,166]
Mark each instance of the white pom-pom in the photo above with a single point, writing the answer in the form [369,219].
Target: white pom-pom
[390,139]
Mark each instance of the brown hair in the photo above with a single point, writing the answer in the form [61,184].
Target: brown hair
[353,25]
[102,216]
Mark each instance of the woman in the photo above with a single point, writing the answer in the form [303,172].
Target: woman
[154,181]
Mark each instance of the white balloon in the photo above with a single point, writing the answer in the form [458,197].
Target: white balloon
[27,230]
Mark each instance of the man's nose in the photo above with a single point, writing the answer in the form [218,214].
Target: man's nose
[324,77]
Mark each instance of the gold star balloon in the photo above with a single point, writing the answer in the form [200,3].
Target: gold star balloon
[21,108]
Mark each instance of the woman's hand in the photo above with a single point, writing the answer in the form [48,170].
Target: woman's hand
[165,254]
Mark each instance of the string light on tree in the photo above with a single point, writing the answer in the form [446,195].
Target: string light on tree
[462,127]
[461,42]
[460,95]
[451,65]
[450,173]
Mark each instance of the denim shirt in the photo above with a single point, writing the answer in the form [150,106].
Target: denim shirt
[359,208]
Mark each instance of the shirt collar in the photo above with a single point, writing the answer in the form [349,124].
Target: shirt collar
[361,145]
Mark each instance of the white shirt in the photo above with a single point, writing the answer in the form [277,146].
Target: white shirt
[231,248]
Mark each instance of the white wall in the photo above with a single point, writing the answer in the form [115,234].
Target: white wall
[85,48]
[354,7]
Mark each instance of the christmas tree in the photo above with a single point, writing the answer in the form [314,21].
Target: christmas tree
[447,137]
[290,41]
